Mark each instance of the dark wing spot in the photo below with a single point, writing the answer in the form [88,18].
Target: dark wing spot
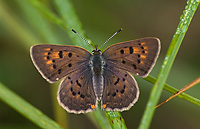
[71,82]
[51,49]
[143,51]
[59,71]
[71,89]
[79,92]
[139,43]
[124,86]
[48,57]
[54,66]
[122,51]
[124,79]
[82,96]
[142,47]
[69,65]
[131,50]
[49,53]
[114,94]
[70,54]
[122,91]
[123,61]
[138,55]
[134,66]
[139,61]
[60,54]
[53,60]
[73,93]
[117,90]
[78,83]
[116,81]
[125,75]
[69,77]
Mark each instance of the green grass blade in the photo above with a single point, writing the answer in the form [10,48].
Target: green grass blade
[48,35]
[116,120]
[101,119]
[48,13]
[174,90]
[26,109]
[168,61]
[11,21]
[67,11]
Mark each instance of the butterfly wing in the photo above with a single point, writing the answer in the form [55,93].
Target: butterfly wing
[120,88]
[56,61]
[120,91]
[136,56]
[76,93]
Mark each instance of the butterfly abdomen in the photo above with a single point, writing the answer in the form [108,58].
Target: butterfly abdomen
[97,71]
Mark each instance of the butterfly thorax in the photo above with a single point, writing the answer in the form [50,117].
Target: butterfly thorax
[97,65]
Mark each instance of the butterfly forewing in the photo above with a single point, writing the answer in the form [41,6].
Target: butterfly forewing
[136,56]
[56,61]
[76,93]
[120,90]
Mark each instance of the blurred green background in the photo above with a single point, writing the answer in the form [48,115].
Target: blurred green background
[19,29]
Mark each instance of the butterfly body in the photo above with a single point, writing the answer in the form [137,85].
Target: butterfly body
[92,78]
[97,66]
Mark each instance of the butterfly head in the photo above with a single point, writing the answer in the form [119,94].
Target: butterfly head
[96,51]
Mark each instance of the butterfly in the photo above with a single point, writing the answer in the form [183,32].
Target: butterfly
[103,78]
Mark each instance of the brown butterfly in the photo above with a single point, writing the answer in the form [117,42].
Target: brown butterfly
[97,77]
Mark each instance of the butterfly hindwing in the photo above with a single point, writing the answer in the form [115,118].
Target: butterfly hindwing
[120,90]
[136,56]
[76,93]
[56,61]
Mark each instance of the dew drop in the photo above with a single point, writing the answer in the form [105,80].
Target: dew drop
[178,31]
[184,28]
[194,7]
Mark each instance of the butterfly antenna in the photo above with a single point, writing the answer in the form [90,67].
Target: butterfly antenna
[82,38]
[111,37]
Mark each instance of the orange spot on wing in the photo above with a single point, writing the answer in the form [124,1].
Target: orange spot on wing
[136,50]
[143,43]
[145,47]
[77,96]
[49,62]
[45,54]
[119,95]
[143,56]
[92,106]
[47,49]
[55,55]
[104,105]
[51,67]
